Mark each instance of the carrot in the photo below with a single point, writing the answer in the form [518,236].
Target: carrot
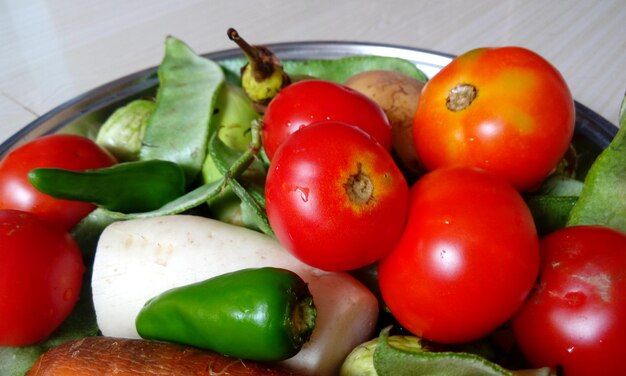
[120,356]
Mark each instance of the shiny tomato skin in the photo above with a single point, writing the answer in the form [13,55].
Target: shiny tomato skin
[310,206]
[576,316]
[519,124]
[309,101]
[41,271]
[58,150]
[467,259]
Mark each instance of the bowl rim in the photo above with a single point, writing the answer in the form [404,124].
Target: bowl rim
[589,123]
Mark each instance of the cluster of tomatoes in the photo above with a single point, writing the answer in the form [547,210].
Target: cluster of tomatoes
[458,252]
[41,266]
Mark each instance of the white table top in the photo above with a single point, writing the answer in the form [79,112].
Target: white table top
[55,50]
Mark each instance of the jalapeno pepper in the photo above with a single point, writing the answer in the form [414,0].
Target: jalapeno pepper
[264,314]
[130,187]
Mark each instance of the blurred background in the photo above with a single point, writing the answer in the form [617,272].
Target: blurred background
[54,50]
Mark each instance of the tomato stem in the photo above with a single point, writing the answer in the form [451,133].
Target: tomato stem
[461,96]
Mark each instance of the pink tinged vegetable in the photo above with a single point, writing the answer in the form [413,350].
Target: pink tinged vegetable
[139,259]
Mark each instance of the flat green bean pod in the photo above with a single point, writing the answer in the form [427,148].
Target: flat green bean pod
[178,130]
[336,70]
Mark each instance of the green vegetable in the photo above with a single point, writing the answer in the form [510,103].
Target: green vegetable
[128,187]
[360,362]
[251,199]
[339,70]
[263,314]
[233,117]
[263,76]
[407,357]
[560,185]
[603,197]
[123,132]
[178,130]
[336,70]
[550,212]
[232,122]
[551,204]
[100,218]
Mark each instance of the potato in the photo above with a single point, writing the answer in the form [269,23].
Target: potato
[398,95]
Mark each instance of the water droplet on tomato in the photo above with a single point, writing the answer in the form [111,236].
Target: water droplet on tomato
[570,349]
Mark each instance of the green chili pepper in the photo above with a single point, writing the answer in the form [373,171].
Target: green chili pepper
[263,314]
[129,187]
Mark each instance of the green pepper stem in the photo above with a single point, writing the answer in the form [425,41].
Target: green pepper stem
[303,318]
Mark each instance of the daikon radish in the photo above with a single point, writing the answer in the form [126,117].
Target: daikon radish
[139,259]
[96,356]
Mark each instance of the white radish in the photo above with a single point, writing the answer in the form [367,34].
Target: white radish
[139,259]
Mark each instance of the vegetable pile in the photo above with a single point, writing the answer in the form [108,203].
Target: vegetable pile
[320,217]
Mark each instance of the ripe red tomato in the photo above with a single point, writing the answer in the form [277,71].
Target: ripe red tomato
[467,259]
[576,316]
[58,150]
[335,197]
[41,271]
[506,110]
[308,101]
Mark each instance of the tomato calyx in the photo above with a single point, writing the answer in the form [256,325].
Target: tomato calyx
[461,96]
[359,187]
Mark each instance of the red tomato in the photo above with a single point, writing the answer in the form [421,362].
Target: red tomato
[306,102]
[576,316]
[467,259]
[506,110]
[60,150]
[335,197]
[41,271]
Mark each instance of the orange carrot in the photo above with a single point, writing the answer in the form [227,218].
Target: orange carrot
[120,356]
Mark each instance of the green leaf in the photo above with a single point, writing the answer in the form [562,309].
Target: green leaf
[603,197]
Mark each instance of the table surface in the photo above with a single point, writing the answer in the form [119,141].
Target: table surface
[55,50]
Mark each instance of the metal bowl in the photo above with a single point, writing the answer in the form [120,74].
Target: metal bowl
[86,112]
